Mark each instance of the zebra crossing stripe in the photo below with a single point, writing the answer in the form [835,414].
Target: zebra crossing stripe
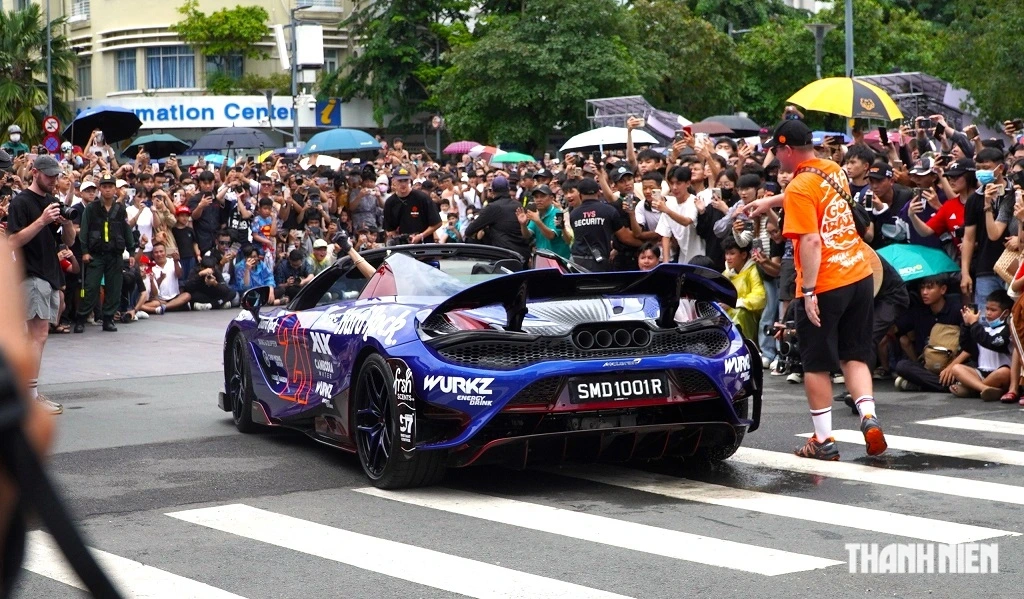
[133,579]
[810,510]
[976,424]
[942,448]
[399,560]
[610,531]
[935,483]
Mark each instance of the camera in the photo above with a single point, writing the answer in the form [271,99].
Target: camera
[789,346]
[68,212]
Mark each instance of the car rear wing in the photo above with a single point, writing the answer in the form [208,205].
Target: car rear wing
[667,282]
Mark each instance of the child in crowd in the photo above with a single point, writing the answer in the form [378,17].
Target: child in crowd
[991,379]
[750,293]
[264,232]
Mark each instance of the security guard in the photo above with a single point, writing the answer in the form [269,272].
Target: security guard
[105,235]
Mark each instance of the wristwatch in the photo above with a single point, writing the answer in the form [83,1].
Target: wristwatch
[807,291]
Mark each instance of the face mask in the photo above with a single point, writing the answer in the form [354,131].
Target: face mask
[16,137]
[985,176]
[995,324]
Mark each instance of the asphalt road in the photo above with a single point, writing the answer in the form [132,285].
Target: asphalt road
[181,505]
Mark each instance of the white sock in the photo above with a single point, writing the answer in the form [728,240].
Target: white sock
[865,405]
[33,388]
[822,420]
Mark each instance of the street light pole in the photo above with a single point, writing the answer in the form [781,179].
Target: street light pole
[49,63]
[849,49]
[820,30]
[295,72]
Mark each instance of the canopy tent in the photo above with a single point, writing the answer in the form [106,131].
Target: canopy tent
[613,112]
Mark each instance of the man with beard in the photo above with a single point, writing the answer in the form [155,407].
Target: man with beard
[34,224]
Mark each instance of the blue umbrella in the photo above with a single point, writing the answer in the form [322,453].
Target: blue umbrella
[340,140]
[914,261]
[218,159]
[115,122]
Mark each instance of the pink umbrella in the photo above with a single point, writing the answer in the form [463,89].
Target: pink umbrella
[460,147]
[487,152]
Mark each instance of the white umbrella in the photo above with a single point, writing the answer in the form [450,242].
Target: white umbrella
[605,137]
[322,160]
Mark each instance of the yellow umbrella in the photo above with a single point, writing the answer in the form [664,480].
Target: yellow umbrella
[264,155]
[848,97]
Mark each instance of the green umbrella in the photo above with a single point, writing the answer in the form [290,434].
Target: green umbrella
[508,157]
[160,145]
[914,261]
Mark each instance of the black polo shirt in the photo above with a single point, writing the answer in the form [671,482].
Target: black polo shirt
[920,319]
[410,215]
[39,254]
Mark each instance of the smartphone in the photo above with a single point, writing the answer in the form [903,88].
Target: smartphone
[939,130]
[1018,124]
[531,207]
[688,130]
[716,193]
[883,135]
[173,156]
[596,156]
[678,137]
[972,307]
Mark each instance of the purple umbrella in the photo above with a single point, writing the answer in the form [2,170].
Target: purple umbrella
[460,147]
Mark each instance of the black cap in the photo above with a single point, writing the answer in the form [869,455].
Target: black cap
[529,175]
[513,177]
[793,133]
[880,170]
[588,187]
[542,174]
[621,172]
[109,179]
[543,190]
[960,167]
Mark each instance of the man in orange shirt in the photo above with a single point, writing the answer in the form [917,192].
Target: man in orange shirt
[834,275]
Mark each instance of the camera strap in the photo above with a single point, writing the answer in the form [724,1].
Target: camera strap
[23,466]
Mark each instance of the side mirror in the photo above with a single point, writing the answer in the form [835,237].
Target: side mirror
[254,299]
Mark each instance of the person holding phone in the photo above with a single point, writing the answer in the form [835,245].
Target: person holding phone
[543,224]
[984,227]
[207,212]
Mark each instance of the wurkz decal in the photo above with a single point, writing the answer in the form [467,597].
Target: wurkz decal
[473,391]
[371,322]
[404,389]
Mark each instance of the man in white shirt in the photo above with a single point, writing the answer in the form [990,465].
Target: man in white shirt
[162,292]
[678,216]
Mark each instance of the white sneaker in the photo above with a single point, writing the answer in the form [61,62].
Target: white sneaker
[903,384]
[796,378]
[838,379]
[201,307]
[140,315]
[225,306]
[53,408]
[765,362]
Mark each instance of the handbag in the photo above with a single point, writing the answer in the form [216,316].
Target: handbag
[1007,264]
[861,217]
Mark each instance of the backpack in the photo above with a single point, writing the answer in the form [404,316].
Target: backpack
[943,346]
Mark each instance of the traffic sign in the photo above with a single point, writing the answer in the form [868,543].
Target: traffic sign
[51,124]
[52,143]
[328,113]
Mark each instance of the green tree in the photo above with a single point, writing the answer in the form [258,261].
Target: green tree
[23,69]
[778,57]
[402,54]
[222,35]
[741,14]
[697,65]
[984,51]
[530,73]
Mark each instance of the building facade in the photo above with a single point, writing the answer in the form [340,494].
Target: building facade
[128,56]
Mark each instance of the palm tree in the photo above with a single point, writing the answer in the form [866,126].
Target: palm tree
[23,70]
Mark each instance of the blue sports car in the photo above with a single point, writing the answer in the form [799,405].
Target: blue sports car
[451,355]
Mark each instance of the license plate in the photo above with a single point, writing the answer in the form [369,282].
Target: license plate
[618,388]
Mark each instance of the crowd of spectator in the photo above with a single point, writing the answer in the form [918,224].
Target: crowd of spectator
[151,237]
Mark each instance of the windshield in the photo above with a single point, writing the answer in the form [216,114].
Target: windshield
[441,276]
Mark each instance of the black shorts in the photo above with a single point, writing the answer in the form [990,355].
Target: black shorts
[847,316]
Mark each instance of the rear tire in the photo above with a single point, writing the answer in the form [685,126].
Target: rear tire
[239,387]
[375,430]
[718,453]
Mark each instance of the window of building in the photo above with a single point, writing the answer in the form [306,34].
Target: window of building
[79,10]
[170,67]
[21,4]
[330,60]
[126,71]
[232,66]
[83,78]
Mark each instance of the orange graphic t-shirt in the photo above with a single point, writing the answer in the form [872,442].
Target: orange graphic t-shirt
[811,205]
